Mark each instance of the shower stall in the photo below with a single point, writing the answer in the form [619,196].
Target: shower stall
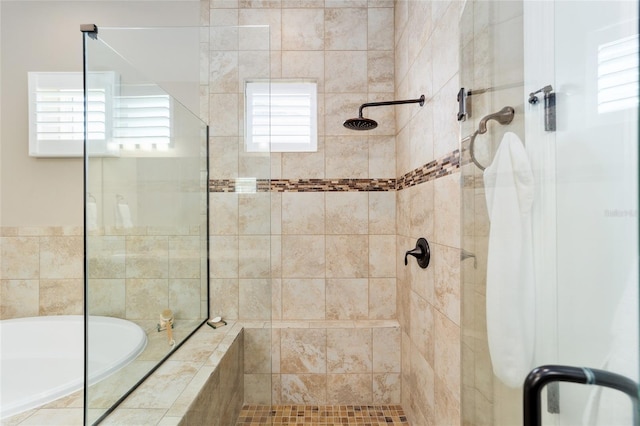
[303,253]
[556,284]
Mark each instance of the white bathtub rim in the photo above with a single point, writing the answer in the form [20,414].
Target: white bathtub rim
[72,385]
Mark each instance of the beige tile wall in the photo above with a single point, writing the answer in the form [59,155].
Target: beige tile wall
[426,41]
[323,362]
[133,274]
[331,253]
[337,256]
[40,271]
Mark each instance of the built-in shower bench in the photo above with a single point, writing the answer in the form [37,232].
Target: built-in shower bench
[256,362]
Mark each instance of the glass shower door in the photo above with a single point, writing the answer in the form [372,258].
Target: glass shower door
[596,201]
[580,136]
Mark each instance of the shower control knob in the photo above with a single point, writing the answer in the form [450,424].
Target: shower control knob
[422,253]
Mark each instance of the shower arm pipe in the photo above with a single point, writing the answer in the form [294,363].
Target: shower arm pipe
[420,100]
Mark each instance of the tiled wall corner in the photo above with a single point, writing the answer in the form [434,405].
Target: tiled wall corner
[428,301]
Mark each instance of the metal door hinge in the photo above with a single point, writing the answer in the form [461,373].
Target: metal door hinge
[463,112]
[549,106]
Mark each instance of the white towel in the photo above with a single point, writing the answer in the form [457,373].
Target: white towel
[123,216]
[510,294]
[92,216]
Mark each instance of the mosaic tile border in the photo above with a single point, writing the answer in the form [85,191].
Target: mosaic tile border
[428,172]
[332,185]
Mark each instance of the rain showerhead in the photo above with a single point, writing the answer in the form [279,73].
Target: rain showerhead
[362,123]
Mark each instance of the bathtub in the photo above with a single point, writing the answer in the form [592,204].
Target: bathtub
[42,358]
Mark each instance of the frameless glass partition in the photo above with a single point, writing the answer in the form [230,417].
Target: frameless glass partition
[146,183]
[491,72]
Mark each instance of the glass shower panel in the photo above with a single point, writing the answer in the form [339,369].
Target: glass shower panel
[146,222]
[491,74]
[596,149]
[580,141]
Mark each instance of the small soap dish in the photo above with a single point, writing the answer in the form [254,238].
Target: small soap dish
[216,322]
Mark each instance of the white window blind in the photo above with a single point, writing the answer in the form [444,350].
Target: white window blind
[281,116]
[618,75]
[56,114]
[143,121]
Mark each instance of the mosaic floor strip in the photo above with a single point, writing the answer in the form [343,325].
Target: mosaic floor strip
[325,415]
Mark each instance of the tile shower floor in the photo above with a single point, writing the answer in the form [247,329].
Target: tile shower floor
[325,415]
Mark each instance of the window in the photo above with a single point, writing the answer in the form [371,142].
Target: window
[142,119]
[56,114]
[132,117]
[618,75]
[281,116]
